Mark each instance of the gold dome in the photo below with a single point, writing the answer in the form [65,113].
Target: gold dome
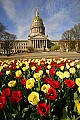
[37,26]
[37,18]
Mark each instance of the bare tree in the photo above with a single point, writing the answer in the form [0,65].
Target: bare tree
[7,38]
[72,34]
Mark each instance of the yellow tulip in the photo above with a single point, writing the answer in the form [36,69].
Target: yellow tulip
[12,83]
[76,61]
[8,72]
[18,73]
[45,88]
[60,74]
[1,68]
[41,72]
[37,76]
[62,67]
[72,70]
[25,68]
[33,98]
[5,65]
[20,64]
[77,81]
[79,89]
[58,61]
[47,71]
[66,74]
[30,83]
[49,66]
[77,105]
[33,68]
[67,66]
[78,66]
[72,63]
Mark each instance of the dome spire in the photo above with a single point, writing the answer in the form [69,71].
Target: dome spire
[37,13]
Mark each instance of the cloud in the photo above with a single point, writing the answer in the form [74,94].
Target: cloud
[55,36]
[57,15]
[20,18]
[57,23]
[22,32]
[74,10]
[9,8]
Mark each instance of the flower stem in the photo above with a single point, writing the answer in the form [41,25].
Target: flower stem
[4,114]
[19,108]
[78,118]
[38,85]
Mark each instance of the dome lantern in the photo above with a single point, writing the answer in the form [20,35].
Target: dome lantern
[37,13]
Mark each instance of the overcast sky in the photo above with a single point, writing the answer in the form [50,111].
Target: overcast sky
[57,15]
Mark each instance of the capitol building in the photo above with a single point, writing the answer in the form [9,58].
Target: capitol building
[37,33]
[37,39]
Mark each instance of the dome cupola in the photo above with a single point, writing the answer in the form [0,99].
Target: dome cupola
[37,26]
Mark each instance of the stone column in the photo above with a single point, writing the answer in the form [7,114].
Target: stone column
[43,43]
[33,43]
[36,43]
[40,43]
[46,43]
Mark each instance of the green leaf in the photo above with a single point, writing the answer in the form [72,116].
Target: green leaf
[75,96]
[55,117]
[13,115]
[73,117]
[25,109]
[66,118]
[64,113]
[35,116]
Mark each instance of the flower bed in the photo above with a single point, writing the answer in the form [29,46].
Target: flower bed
[40,89]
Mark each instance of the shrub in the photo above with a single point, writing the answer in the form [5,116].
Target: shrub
[55,48]
[30,49]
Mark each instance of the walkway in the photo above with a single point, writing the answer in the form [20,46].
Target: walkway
[69,55]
